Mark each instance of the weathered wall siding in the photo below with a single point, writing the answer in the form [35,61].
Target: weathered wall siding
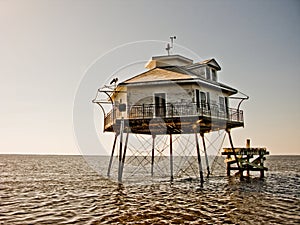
[214,93]
[138,95]
[174,93]
[145,95]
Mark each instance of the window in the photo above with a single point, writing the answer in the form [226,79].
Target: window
[214,75]
[222,104]
[202,99]
[211,74]
[160,104]
[207,73]
[208,100]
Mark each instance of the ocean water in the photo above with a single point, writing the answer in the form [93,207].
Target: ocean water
[66,190]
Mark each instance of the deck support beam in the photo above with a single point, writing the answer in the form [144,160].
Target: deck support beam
[124,154]
[120,151]
[171,158]
[205,152]
[199,160]
[152,154]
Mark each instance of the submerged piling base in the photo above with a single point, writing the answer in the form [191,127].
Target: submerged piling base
[243,158]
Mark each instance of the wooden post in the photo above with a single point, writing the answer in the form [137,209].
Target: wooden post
[248,143]
[171,157]
[228,166]
[248,156]
[112,155]
[120,150]
[206,157]
[152,155]
[262,171]
[199,160]
[248,167]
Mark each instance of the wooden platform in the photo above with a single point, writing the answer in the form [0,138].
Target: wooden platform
[245,159]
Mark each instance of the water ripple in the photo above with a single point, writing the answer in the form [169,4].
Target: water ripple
[64,190]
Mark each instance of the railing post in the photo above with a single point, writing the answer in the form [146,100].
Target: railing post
[242,114]
[143,110]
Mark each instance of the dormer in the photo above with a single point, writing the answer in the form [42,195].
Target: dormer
[211,73]
[206,69]
[211,68]
[211,63]
[168,60]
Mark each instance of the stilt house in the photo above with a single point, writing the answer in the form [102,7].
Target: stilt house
[183,94]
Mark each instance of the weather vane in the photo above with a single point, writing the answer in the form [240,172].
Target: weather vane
[169,47]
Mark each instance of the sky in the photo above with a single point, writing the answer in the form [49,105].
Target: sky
[49,49]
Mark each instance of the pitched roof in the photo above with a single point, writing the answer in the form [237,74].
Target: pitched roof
[171,73]
[157,74]
[212,62]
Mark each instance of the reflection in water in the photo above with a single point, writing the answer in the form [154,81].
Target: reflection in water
[65,190]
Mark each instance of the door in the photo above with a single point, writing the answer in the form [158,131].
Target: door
[203,100]
[160,104]
[197,100]
[226,107]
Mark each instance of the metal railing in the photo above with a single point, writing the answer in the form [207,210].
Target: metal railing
[148,111]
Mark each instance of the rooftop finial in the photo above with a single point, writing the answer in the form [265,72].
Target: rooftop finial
[169,47]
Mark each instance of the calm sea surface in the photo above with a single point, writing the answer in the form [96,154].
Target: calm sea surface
[66,190]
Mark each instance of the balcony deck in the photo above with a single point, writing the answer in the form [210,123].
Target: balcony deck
[173,119]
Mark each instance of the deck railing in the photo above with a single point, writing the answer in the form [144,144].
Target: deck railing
[148,111]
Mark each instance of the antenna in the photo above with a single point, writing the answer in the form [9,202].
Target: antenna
[169,47]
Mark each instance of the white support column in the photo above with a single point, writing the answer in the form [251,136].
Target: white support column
[120,151]
[199,159]
[171,157]
[206,156]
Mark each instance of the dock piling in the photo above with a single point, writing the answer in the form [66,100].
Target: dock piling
[244,155]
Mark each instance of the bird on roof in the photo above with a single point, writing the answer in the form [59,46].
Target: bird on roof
[115,80]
